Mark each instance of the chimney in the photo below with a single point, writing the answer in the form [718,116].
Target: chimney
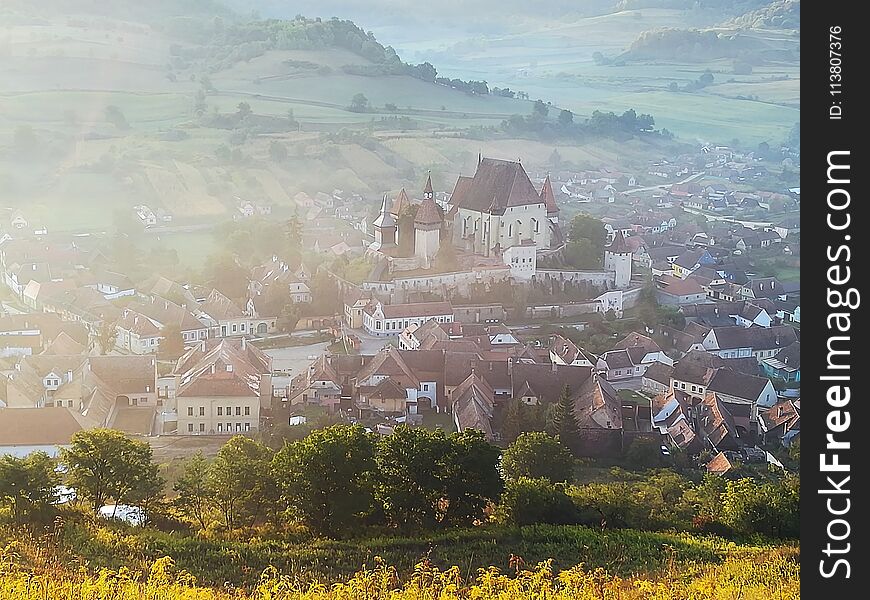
[202,345]
[69,375]
[212,368]
[244,343]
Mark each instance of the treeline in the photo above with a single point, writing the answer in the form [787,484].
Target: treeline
[547,122]
[342,481]
[221,45]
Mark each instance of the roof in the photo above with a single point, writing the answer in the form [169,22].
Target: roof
[675,286]
[757,338]
[400,203]
[618,245]
[789,358]
[637,339]
[617,359]
[739,385]
[385,219]
[496,185]
[427,188]
[220,308]
[473,405]
[549,198]
[419,309]
[223,367]
[782,413]
[463,184]
[428,214]
[63,344]
[689,259]
[765,287]
[126,374]
[546,381]
[37,427]
[719,464]
[660,373]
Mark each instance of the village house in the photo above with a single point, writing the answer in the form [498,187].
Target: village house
[673,291]
[391,319]
[690,261]
[785,365]
[565,352]
[142,323]
[781,422]
[220,388]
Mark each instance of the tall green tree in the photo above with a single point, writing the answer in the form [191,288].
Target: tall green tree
[28,484]
[194,495]
[564,425]
[240,482]
[104,464]
[410,472]
[537,455]
[326,479]
[471,479]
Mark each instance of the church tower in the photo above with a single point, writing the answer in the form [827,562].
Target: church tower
[549,199]
[385,229]
[617,258]
[427,231]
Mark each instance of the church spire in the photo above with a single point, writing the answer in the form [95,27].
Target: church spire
[427,189]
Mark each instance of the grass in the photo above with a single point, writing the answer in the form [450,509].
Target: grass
[633,397]
[775,576]
[622,553]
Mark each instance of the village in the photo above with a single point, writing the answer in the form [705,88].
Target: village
[463,318]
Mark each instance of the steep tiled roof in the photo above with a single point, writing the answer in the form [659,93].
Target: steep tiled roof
[219,307]
[473,405]
[497,185]
[225,368]
[428,214]
[549,197]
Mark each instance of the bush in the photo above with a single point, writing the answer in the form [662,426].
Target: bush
[529,501]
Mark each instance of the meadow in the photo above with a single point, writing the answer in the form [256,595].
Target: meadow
[631,563]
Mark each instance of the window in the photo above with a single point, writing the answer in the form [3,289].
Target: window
[189,411]
[425,387]
[220,427]
[201,411]
[135,401]
[247,411]
[238,411]
[238,426]
[190,427]
[201,427]
[229,427]
[229,410]
[693,388]
[229,368]
[247,426]
[234,327]
[220,411]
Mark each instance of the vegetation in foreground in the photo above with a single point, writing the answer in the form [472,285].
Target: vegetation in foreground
[775,574]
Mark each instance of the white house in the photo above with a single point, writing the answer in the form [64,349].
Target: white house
[391,319]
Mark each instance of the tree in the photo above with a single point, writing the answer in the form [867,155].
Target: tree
[533,501]
[555,159]
[564,425]
[117,118]
[644,453]
[193,492]
[539,109]
[566,118]
[705,79]
[171,344]
[243,110]
[107,334]
[470,479]
[29,484]
[326,479]
[289,317]
[277,151]
[587,227]
[359,103]
[537,455]
[240,482]
[105,464]
[409,483]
